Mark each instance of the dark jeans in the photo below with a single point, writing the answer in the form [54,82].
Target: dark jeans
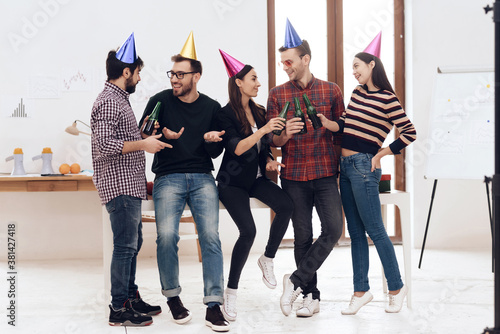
[237,202]
[324,195]
[125,216]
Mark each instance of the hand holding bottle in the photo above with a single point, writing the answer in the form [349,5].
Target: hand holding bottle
[274,124]
[330,125]
[154,129]
[151,121]
[293,126]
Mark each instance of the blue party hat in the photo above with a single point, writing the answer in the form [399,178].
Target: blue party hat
[127,53]
[292,39]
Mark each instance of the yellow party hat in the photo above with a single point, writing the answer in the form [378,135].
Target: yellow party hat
[188,50]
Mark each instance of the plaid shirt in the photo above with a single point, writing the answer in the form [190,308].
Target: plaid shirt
[113,122]
[312,155]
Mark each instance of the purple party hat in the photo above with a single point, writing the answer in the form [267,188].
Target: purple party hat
[233,66]
[127,53]
[292,39]
[374,47]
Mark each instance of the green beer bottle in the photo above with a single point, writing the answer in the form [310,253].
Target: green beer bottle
[282,115]
[299,113]
[311,112]
[153,117]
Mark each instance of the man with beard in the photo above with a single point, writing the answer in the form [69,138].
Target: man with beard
[187,120]
[119,176]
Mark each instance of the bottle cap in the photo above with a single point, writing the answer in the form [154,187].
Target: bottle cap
[18,151]
[46,150]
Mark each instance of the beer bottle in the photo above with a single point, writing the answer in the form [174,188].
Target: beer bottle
[311,112]
[299,113]
[153,117]
[282,115]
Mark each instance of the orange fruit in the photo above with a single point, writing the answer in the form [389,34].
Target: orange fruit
[75,168]
[64,169]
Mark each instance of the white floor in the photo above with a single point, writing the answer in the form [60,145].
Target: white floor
[452,293]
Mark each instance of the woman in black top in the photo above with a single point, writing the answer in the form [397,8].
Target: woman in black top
[242,175]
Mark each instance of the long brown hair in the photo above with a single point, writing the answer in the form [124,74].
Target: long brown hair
[258,112]
[379,77]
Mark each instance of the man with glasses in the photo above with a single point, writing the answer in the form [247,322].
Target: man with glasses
[183,176]
[310,175]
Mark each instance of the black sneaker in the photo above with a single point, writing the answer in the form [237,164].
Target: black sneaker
[180,314]
[215,319]
[127,316]
[142,307]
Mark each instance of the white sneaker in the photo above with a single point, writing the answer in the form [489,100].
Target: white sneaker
[357,303]
[229,306]
[308,307]
[267,266]
[289,295]
[396,301]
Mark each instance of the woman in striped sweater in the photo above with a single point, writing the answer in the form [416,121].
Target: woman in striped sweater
[372,112]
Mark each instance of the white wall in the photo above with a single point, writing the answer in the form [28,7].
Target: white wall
[45,42]
[445,33]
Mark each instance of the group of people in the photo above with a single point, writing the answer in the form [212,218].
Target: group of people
[192,129]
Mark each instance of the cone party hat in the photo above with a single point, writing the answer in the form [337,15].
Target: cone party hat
[233,66]
[188,50]
[292,39]
[374,47]
[126,53]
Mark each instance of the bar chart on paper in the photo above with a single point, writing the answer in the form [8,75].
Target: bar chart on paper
[17,107]
[20,110]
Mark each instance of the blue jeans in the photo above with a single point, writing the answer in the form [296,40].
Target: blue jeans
[237,202]
[171,193]
[125,216]
[361,201]
[324,195]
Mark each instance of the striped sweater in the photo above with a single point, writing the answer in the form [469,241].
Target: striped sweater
[368,119]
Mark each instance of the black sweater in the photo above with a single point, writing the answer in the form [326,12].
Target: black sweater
[239,171]
[190,153]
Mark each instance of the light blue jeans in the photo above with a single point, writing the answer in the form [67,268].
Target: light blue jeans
[361,202]
[171,194]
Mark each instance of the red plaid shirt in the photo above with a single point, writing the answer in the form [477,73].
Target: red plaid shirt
[113,122]
[312,155]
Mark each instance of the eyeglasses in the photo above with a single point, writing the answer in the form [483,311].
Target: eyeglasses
[288,62]
[179,75]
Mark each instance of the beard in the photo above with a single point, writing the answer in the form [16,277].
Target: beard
[130,86]
[185,89]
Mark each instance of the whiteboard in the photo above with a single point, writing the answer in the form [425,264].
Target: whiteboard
[461,126]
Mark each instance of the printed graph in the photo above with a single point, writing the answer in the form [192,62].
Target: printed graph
[74,80]
[20,110]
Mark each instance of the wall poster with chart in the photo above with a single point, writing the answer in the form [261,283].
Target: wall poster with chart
[462,124]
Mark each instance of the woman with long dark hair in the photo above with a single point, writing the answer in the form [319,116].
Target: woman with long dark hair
[372,112]
[242,175]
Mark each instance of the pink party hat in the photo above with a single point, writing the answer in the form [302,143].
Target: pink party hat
[374,47]
[292,39]
[127,53]
[233,66]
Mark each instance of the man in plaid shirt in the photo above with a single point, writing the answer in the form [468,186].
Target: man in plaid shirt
[119,176]
[310,174]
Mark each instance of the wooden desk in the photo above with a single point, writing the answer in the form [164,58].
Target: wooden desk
[28,183]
